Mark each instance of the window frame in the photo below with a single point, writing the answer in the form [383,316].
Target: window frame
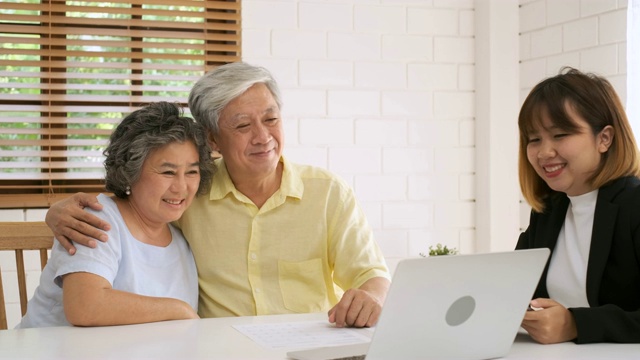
[65,40]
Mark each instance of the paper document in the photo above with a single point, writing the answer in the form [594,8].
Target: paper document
[306,334]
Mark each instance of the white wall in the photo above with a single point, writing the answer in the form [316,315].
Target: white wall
[497,84]
[381,93]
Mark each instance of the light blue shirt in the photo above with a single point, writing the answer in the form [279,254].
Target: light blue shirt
[128,264]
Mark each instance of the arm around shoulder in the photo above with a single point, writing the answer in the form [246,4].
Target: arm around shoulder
[70,223]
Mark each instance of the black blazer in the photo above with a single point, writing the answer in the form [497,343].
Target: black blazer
[613,269]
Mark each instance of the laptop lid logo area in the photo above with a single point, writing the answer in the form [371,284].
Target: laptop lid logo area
[460,311]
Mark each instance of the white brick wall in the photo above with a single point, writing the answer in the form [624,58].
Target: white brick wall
[395,117]
[587,34]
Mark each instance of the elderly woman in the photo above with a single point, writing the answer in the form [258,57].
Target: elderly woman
[156,162]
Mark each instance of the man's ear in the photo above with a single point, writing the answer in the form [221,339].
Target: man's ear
[212,142]
[605,138]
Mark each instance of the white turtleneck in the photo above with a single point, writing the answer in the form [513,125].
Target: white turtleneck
[567,277]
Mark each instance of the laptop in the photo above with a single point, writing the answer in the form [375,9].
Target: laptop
[455,306]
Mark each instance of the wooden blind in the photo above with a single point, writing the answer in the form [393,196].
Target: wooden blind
[70,70]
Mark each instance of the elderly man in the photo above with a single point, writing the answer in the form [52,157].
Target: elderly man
[272,236]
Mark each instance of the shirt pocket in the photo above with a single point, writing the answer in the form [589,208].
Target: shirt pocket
[302,286]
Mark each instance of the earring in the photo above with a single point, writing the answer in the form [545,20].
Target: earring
[127,190]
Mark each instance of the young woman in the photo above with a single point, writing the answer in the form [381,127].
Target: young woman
[578,167]
[156,162]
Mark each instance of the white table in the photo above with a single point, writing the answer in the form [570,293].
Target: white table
[217,339]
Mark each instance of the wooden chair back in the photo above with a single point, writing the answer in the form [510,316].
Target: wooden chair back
[17,237]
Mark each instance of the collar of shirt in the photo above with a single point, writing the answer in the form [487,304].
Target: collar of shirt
[291,184]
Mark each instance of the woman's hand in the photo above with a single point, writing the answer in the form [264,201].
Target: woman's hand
[69,222]
[551,324]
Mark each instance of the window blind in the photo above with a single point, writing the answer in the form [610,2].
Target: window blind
[70,70]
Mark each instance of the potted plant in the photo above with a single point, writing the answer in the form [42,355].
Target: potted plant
[440,249]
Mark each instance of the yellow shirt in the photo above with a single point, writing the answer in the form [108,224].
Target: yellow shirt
[309,241]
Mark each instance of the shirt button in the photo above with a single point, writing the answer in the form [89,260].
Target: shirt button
[257,290]
[254,256]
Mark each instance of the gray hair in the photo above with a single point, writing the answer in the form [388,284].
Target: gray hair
[217,88]
[147,129]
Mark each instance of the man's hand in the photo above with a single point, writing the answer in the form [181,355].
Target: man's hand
[552,324]
[69,222]
[360,307]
